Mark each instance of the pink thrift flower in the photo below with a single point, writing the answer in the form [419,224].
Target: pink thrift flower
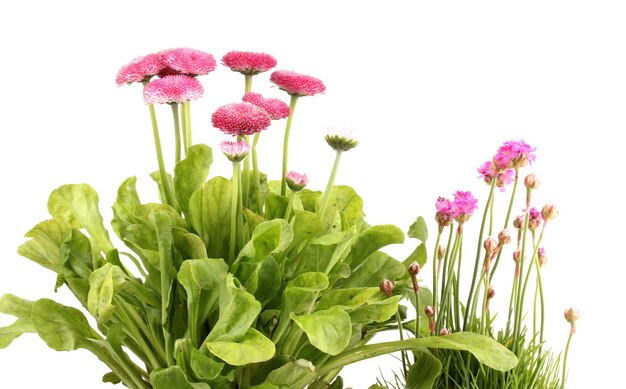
[235,151]
[503,177]
[188,61]
[246,62]
[240,119]
[276,108]
[465,204]
[514,155]
[172,89]
[534,219]
[296,181]
[446,212]
[296,83]
[140,69]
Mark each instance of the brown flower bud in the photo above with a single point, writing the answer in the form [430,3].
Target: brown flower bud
[414,268]
[491,292]
[504,237]
[517,254]
[518,222]
[387,287]
[443,332]
[441,252]
[490,245]
[531,181]
[541,256]
[549,212]
[429,311]
[571,315]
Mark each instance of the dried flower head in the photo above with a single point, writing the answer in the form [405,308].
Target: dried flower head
[549,212]
[491,245]
[276,108]
[488,172]
[172,89]
[534,219]
[246,62]
[465,205]
[297,84]
[504,237]
[240,119]
[514,155]
[441,252]
[140,69]
[235,151]
[296,181]
[188,61]
[340,139]
[541,256]
[518,222]
[387,287]
[531,181]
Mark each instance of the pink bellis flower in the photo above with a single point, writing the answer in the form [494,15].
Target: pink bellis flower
[172,89]
[140,69]
[275,108]
[296,181]
[488,172]
[248,63]
[465,204]
[297,84]
[191,62]
[235,151]
[240,119]
[514,155]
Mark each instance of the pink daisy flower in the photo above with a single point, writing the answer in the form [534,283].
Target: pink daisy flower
[140,69]
[172,89]
[240,119]
[246,62]
[445,212]
[465,204]
[188,61]
[296,181]
[503,177]
[514,155]
[235,151]
[276,108]
[296,83]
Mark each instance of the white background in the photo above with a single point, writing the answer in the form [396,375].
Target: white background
[433,89]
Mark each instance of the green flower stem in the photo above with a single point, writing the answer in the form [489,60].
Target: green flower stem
[477,260]
[256,177]
[564,376]
[132,331]
[405,368]
[329,186]
[417,314]
[450,279]
[176,131]
[119,364]
[245,181]
[138,322]
[240,230]
[183,121]
[248,82]
[169,198]
[292,108]
[292,196]
[512,299]
[186,109]
[520,297]
[506,223]
[457,286]
[444,272]
[435,265]
[233,213]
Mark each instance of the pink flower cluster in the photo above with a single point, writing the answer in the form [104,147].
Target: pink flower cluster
[249,63]
[172,89]
[240,119]
[275,108]
[514,155]
[488,172]
[297,84]
[296,181]
[459,209]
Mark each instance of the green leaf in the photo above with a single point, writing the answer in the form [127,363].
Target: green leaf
[309,198]
[264,386]
[268,237]
[15,306]
[418,255]
[288,374]
[189,245]
[328,330]
[424,370]
[167,272]
[48,245]
[209,211]
[275,206]
[62,328]
[104,283]
[156,177]
[13,331]
[173,377]
[349,298]
[124,207]
[269,280]
[111,378]
[204,367]
[327,252]
[253,347]
[306,226]
[376,312]
[419,230]
[373,270]
[77,205]
[190,174]
[343,200]
[373,239]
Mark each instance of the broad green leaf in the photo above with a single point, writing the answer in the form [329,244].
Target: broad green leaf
[275,206]
[167,270]
[238,310]
[350,298]
[373,239]
[288,374]
[173,377]
[337,383]
[424,370]
[418,255]
[376,312]
[190,173]
[306,226]
[189,245]
[81,258]
[62,328]
[328,330]
[156,177]
[104,284]
[209,211]
[268,237]
[111,378]
[124,206]
[419,230]
[309,198]
[268,279]
[143,241]
[13,331]
[204,367]
[77,205]
[202,280]
[374,270]
[326,252]
[343,200]
[48,245]
[264,386]
[253,347]
[15,306]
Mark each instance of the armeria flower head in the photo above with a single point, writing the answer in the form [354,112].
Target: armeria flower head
[514,155]
[549,212]
[465,205]
[340,139]
[296,83]
[240,119]
[188,61]
[534,219]
[445,211]
[296,181]
[140,69]
[541,256]
[276,108]
[488,172]
[235,151]
[572,315]
[172,89]
[246,62]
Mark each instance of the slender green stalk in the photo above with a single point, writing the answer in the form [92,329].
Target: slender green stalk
[506,222]
[132,331]
[245,180]
[176,132]
[519,295]
[450,279]
[169,198]
[248,82]
[417,313]
[405,367]
[233,213]
[457,286]
[292,196]
[435,266]
[256,177]
[564,376]
[292,108]
[240,230]
[329,186]
[183,122]
[186,109]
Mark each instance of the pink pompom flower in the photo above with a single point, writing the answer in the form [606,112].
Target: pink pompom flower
[140,69]
[246,62]
[296,181]
[488,172]
[240,119]
[172,89]
[465,204]
[187,61]
[235,151]
[445,212]
[297,84]
[276,108]
[514,155]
